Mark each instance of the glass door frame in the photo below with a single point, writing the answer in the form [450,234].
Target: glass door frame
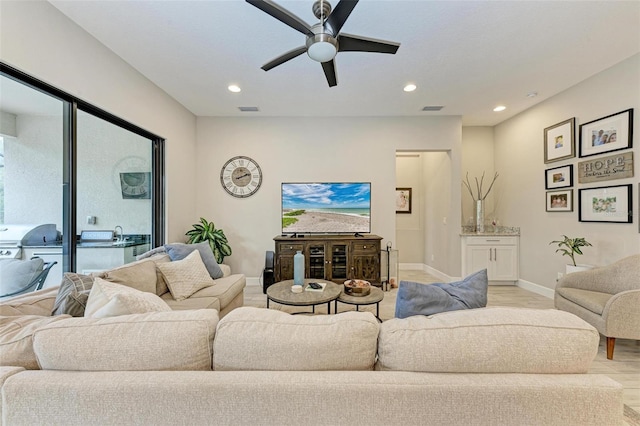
[71,105]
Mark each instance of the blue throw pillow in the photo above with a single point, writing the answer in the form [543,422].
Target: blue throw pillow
[178,251]
[428,299]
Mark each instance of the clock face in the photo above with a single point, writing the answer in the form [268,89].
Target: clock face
[241,176]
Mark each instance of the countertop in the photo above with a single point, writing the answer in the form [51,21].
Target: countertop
[491,231]
[130,241]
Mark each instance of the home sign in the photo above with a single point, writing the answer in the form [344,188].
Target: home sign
[618,166]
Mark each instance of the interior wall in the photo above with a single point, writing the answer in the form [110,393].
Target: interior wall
[39,40]
[519,156]
[439,218]
[478,158]
[293,149]
[410,226]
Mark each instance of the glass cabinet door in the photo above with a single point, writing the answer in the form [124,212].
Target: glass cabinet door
[339,261]
[316,261]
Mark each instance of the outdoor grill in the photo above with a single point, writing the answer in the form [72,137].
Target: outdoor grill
[14,237]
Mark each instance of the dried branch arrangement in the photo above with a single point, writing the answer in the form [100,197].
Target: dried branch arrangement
[479,184]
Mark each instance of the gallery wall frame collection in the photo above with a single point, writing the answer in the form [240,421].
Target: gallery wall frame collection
[608,204]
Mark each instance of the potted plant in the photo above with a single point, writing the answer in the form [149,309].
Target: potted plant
[206,231]
[571,247]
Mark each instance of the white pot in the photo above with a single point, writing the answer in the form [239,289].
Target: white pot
[570,268]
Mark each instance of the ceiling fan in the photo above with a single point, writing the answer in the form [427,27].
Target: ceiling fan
[324,39]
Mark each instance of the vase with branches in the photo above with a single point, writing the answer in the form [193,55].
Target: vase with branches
[479,197]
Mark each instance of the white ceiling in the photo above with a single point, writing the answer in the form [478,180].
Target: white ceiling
[467,56]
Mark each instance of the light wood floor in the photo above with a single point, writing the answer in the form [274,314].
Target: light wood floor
[624,368]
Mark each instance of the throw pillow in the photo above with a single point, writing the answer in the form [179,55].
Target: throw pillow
[16,274]
[428,299]
[152,252]
[108,299]
[140,275]
[73,295]
[185,277]
[178,251]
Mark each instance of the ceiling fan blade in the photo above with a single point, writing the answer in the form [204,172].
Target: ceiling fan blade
[351,43]
[330,72]
[340,14]
[282,15]
[284,58]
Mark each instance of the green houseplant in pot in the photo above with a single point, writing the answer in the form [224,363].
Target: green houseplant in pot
[572,247]
[206,231]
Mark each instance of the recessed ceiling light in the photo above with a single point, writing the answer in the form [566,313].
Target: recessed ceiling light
[500,108]
[409,88]
[234,88]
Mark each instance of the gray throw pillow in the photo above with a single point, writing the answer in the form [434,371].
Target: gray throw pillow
[179,251]
[428,299]
[73,295]
[16,274]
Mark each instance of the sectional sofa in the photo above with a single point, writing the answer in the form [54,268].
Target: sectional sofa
[490,366]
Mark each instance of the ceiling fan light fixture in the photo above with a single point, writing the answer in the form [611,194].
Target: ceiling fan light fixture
[322,47]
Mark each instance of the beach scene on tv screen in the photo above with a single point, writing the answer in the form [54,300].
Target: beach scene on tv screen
[326,208]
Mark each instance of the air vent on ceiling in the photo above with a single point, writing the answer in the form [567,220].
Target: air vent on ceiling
[248,109]
[432,108]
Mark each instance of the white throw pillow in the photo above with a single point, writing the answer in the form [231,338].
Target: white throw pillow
[109,299]
[185,277]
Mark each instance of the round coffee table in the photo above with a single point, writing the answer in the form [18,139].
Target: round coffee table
[281,293]
[375,296]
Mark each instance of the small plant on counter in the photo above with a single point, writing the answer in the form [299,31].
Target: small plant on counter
[571,246]
[206,231]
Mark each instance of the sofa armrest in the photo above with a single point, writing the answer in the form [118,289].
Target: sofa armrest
[622,316]
[614,278]
[35,303]
[226,269]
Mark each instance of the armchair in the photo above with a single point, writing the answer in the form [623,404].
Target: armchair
[607,298]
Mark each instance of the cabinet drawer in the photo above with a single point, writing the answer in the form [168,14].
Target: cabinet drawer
[492,241]
[365,247]
[289,248]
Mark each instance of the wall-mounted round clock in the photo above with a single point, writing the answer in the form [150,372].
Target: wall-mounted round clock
[241,176]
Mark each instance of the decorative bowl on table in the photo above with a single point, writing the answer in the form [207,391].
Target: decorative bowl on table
[357,287]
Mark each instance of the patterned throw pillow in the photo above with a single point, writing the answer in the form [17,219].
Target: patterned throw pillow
[185,277]
[73,294]
[109,299]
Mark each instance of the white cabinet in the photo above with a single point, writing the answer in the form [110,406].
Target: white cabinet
[498,254]
[96,259]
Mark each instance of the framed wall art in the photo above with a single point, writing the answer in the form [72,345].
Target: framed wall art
[606,134]
[403,200]
[559,141]
[559,177]
[605,204]
[560,201]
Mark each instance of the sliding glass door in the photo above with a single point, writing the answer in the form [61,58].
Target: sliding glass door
[96,177]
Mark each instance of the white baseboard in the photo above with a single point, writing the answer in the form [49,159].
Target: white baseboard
[536,288]
[251,281]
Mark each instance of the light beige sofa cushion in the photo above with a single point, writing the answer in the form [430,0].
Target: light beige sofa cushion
[173,340]
[263,339]
[217,296]
[36,303]
[140,275]
[16,339]
[109,299]
[489,340]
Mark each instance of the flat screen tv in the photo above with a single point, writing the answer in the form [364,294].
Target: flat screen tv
[326,208]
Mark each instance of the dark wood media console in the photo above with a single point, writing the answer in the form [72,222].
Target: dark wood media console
[330,257]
